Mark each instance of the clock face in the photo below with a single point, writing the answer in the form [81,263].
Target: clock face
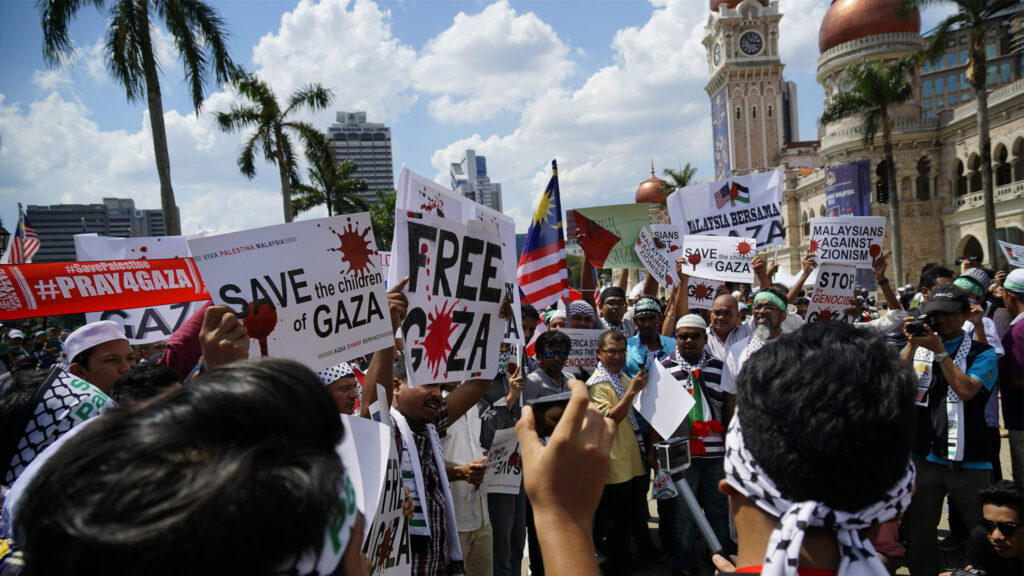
[716,53]
[751,43]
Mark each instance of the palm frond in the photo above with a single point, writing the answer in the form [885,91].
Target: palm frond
[239,116]
[313,96]
[190,49]
[56,16]
[247,158]
[127,36]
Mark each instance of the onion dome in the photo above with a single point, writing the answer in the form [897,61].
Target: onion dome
[731,3]
[848,20]
[652,189]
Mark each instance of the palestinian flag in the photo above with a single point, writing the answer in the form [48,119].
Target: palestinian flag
[597,242]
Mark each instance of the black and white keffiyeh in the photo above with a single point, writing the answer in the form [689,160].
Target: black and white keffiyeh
[337,534]
[602,374]
[753,345]
[924,367]
[329,375]
[781,558]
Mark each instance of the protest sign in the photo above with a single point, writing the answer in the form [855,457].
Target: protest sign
[141,325]
[583,352]
[419,194]
[664,401]
[609,233]
[672,236]
[364,450]
[847,239]
[657,258]
[322,308]
[746,206]
[833,293]
[1014,253]
[455,290]
[387,542]
[28,290]
[385,264]
[701,293]
[504,474]
[724,258]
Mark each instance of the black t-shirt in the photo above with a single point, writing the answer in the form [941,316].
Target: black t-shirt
[981,556]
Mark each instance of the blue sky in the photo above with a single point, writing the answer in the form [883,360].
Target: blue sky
[604,86]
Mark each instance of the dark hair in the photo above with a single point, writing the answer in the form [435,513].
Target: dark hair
[553,339]
[1004,493]
[612,292]
[15,402]
[821,403]
[193,483]
[930,277]
[802,301]
[82,358]
[144,381]
[528,311]
[612,335]
[780,287]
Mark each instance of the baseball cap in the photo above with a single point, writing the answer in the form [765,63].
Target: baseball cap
[1014,281]
[92,335]
[946,298]
[15,334]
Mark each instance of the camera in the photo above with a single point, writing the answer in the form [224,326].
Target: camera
[673,455]
[916,326]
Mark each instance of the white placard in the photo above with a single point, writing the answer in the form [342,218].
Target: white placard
[847,239]
[724,258]
[504,473]
[141,325]
[583,352]
[1014,253]
[364,451]
[387,542]
[672,236]
[745,206]
[658,260]
[664,402]
[309,290]
[453,328]
[385,264]
[833,293]
[701,293]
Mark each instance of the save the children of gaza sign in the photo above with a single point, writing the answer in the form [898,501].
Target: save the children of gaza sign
[453,328]
[310,290]
[724,258]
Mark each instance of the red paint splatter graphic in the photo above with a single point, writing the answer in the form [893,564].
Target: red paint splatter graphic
[744,248]
[673,248]
[355,248]
[432,203]
[384,550]
[812,248]
[639,242]
[875,251]
[658,243]
[514,459]
[826,315]
[701,291]
[142,256]
[693,259]
[668,279]
[439,329]
[260,322]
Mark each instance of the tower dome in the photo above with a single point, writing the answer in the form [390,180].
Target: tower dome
[652,189]
[848,20]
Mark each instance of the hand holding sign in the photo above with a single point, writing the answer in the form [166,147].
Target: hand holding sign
[222,337]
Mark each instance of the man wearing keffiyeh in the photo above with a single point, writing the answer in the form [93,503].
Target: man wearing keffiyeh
[818,452]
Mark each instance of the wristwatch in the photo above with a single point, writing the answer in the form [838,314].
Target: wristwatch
[940,357]
[883,281]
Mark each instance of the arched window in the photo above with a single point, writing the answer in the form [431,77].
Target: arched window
[769,110]
[753,112]
[923,179]
[737,112]
[974,166]
[1002,166]
[821,211]
[1018,159]
[806,225]
[960,186]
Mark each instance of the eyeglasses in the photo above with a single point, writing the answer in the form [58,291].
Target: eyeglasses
[613,303]
[613,352]
[1006,528]
[549,354]
[690,336]
[765,307]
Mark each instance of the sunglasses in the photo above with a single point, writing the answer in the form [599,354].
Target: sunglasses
[1006,528]
[613,303]
[688,336]
[549,354]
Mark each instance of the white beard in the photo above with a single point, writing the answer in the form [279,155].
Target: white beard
[762,333]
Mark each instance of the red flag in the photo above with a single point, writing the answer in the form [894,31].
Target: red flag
[597,242]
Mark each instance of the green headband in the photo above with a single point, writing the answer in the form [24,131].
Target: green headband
[971,285]
[1013,286]
[766,296]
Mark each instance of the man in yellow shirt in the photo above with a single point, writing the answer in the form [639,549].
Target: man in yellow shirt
[612,393]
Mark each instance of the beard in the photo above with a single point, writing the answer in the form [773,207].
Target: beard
[762,332]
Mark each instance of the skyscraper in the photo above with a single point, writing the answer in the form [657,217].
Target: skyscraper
[469,178]
[368,144]
[57,225]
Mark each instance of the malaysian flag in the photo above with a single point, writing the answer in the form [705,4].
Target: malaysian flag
[542,274]
[24,243]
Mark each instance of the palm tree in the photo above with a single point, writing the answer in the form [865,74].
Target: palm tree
[875,88]
[199,37]
[273,129]
[330,183]
[972,13]
[382,215]
[679,178]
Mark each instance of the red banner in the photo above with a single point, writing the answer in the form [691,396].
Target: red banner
[28,290]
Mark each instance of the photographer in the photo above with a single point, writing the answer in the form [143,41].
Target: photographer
[951,449]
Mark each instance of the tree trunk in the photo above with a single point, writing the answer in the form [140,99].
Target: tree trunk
[985,146]
[895,233]
[286,186]
[172,222]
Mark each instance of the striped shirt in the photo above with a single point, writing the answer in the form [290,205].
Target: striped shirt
[711,380]
[720,349]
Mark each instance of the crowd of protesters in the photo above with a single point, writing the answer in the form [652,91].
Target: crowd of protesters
[185,457]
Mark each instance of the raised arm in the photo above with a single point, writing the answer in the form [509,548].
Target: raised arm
[891,300]
[761,272]
[808,266]
[382,365]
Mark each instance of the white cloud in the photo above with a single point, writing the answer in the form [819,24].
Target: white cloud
[486,63]
[798,35]
[51,80]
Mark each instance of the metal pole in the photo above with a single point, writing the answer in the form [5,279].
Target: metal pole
[683,487]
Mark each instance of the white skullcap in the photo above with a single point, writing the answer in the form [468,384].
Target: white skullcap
[691,321]
[92,335]
[635,291]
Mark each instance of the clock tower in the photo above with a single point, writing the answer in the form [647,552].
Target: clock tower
[753,109]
